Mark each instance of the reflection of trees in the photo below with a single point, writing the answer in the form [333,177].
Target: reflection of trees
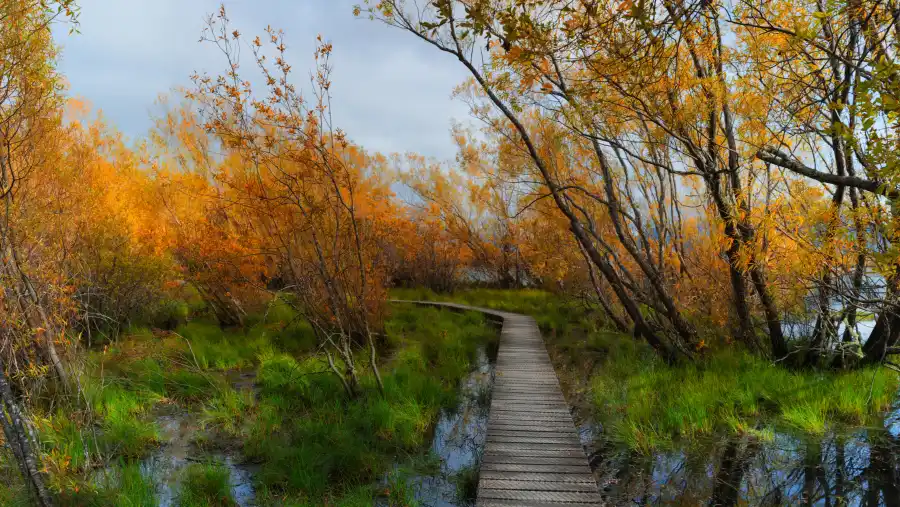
[459,437]
[881,475]
[728,478]
[860,469]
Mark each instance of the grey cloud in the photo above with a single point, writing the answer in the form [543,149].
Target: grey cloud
[391,93]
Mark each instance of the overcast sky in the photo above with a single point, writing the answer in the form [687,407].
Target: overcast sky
[391,93]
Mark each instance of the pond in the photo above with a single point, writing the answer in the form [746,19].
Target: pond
[855,468]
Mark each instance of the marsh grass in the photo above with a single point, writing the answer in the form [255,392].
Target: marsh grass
[124,382]
[648,405]
[466,482]
[127,486]
[206,484]
[316,445]
[733,391]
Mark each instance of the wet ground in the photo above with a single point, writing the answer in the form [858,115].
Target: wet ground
[178,431]
[167,463]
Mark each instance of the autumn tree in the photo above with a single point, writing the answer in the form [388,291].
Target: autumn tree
[512,81]
[627,114]
[314,199]
[216,254]
[837,72]
[29,102]
[475,204]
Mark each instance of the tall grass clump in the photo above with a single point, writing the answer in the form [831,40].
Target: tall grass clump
[206,485]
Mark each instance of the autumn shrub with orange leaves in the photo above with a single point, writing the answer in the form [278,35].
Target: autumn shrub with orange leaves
[316,207]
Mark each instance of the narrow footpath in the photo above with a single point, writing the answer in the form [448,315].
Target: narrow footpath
[532,454]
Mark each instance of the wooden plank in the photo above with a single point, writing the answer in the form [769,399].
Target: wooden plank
[542,496]
[532,431]
[498,502]
[572,460]
[536,485]
[500,455]
[534,468]
[542,477]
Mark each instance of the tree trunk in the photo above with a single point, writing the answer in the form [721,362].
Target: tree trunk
[16,435]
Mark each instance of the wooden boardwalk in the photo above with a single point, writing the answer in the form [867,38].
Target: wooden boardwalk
[532,454]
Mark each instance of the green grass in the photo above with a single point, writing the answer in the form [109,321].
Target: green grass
[122,483]
[316,445]
[733,391]
[466,481]
[128,487]
[205,484]
[633,393]
[12,490]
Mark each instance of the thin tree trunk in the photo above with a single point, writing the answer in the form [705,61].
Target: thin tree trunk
[16,434]
[619,324]
[373,362]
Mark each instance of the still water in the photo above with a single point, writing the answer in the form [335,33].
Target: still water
[854,468]
[458,439]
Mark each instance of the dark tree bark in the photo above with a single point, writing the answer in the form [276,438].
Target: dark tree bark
[17,438]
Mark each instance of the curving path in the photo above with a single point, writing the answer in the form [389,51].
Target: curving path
[532,454]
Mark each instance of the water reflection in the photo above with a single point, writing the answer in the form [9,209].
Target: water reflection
[854,469]
[459,437]
[165,466]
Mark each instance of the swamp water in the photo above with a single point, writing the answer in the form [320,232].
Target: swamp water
[860,467]
[458,440]
[165,467]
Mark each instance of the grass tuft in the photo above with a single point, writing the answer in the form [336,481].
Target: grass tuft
[206,484]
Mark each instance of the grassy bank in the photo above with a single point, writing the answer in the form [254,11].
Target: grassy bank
[311,444]
[646,405]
